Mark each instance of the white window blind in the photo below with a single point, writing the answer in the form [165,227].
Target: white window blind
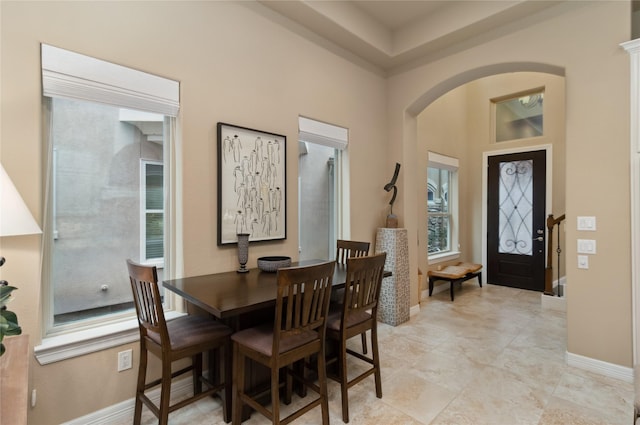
[72,75]
[322,133]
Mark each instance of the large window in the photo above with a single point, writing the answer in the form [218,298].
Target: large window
[441,204]
[108,189]
[109,139]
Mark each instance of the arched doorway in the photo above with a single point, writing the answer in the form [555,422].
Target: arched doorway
[481,85]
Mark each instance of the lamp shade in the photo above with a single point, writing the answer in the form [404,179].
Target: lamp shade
[15,217]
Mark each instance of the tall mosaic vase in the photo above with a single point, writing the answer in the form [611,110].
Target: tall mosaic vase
[243,252]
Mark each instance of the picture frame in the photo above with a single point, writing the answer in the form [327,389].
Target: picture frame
[252,195]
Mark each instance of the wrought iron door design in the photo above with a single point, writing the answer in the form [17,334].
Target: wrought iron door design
[516,207]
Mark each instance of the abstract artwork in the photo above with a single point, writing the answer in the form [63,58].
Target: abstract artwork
[251,184]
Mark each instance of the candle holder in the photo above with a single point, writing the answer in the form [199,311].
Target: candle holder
[243,252]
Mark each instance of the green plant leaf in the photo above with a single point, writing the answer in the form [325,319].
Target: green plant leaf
[9,324]
[5,293]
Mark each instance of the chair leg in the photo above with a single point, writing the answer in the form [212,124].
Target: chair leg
[165,392]
[197,373]
[238,384]
[228,382]
[275,395]
[322,383]
[344,384]
[288,389]
[142,376]
[364,342]
[376,360]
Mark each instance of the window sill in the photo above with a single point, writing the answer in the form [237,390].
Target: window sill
[69,345]
[442,257]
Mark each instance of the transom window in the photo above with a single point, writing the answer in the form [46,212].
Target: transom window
[519,116]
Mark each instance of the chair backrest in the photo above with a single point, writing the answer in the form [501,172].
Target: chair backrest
[362,285]
[146,297]
[303,300]
[346,249]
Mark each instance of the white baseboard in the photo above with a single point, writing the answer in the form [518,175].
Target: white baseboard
[124,410]
[602,368]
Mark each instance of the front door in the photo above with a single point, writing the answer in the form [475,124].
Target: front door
[516,220]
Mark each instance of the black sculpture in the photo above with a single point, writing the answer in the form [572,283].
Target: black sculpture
[392,220]
[392,185]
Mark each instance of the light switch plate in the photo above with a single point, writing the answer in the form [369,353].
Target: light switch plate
[587,223]
[586,246]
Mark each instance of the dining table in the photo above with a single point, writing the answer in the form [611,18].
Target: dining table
[230,295]
[242,300]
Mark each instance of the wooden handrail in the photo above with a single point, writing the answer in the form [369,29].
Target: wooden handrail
[548,275]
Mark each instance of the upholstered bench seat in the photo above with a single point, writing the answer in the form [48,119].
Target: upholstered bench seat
[456,273]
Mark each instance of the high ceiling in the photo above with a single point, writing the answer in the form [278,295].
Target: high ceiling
[393,35]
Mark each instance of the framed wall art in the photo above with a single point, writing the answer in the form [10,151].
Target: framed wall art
[252,191]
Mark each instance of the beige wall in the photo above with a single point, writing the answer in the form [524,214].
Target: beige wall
[235,65]
[459,124]
[581,40]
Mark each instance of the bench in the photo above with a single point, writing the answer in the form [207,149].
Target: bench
[457,273]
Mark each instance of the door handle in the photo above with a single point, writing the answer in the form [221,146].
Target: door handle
[539,239]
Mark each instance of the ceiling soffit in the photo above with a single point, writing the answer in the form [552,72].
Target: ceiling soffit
[392,34]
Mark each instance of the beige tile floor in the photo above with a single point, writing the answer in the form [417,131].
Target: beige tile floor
[492,357]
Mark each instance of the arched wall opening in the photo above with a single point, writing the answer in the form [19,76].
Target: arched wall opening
[453,118]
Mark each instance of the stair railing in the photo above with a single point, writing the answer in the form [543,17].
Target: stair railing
[548,275]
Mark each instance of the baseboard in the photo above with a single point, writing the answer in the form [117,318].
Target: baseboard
[414,310]
[116,413]
[602,368]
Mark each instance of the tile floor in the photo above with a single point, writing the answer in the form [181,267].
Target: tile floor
[492,357]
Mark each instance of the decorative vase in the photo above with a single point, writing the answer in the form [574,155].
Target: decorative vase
[243,252]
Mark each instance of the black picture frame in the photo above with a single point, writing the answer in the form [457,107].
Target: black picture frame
[252,193]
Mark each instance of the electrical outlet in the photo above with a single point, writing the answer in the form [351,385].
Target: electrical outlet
[125,359]
[583,261]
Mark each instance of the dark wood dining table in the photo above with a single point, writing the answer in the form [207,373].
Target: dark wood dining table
[229,295]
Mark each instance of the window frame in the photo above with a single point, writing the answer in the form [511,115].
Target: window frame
[68,74]
[447,215]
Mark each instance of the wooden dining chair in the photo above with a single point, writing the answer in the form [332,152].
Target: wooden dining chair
[187,336]
[344,250]
[298,332]
[357,316]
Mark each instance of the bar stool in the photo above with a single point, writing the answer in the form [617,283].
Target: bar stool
[298,332]
[357,315]
[187,336]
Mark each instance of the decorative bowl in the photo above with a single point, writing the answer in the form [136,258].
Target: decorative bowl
[273,263]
